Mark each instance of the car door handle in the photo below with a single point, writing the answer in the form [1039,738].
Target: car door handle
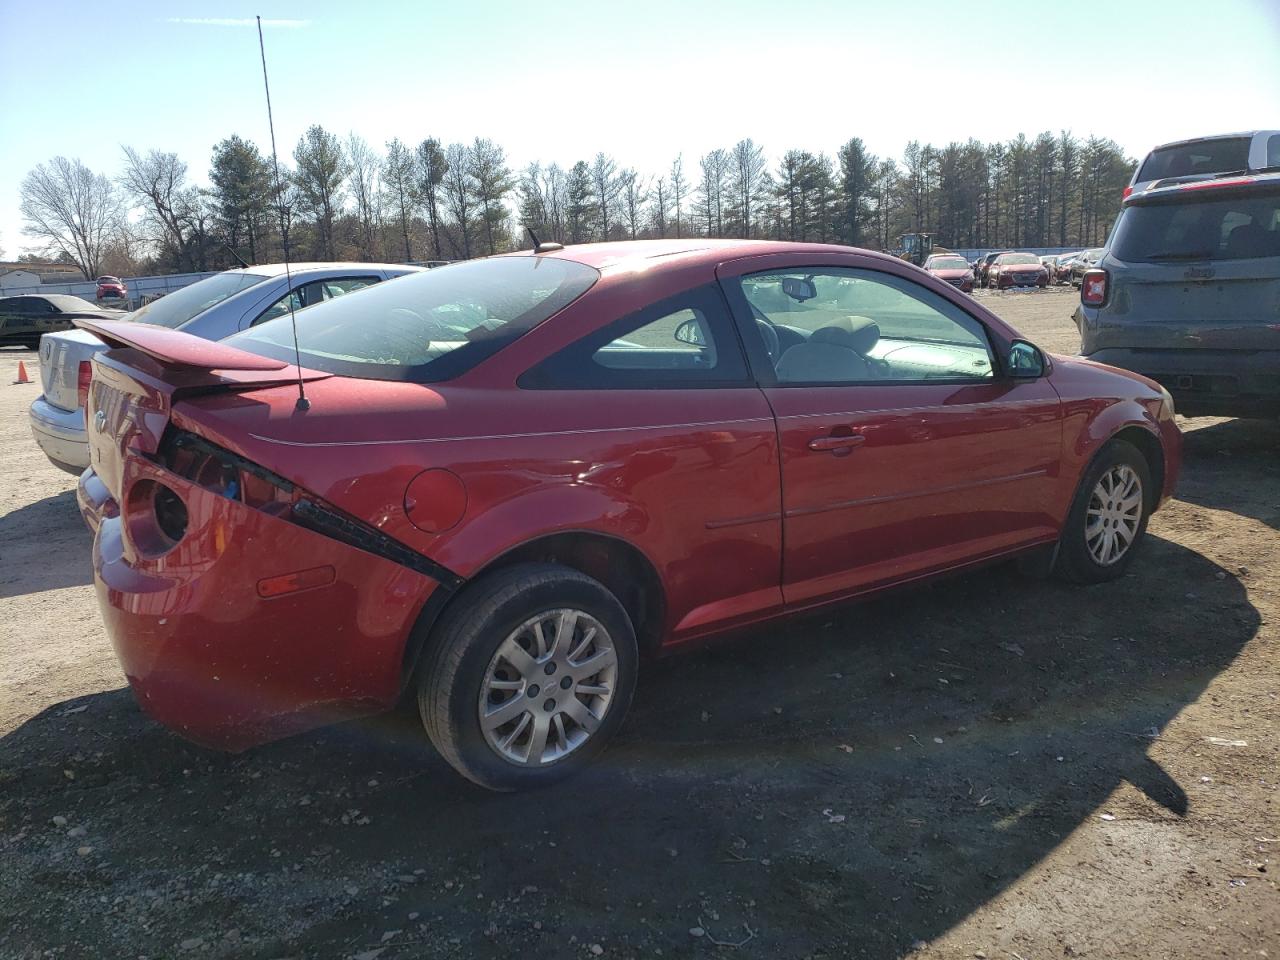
[837,443]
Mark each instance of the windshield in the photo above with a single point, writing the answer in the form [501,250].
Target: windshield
[1017,258]
[949,263]
[426,327]
[175,309]
[1201,157]
[1232,228]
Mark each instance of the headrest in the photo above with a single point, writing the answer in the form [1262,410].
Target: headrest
[859,334]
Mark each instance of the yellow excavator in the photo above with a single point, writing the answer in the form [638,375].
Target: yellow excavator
[915,247]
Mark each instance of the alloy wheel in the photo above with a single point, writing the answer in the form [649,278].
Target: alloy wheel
[1114,514]
[548,687]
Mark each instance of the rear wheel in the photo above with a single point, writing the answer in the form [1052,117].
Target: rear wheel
[1108,516]
[528,676]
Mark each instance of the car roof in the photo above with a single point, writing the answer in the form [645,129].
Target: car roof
[1214,136]
[64,300]
[1203,187]
[619,255]
[278,269]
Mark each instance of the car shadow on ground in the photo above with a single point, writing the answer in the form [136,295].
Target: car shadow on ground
[841,785]
[1237,468]
[45,546]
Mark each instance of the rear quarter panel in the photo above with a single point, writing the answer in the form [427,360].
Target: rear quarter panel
[689,478]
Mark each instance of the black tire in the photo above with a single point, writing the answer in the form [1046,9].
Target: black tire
[461,647]
[1076,562]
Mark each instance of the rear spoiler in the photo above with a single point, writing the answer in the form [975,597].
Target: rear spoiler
[176,349]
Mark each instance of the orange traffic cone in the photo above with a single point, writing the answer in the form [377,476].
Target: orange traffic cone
[22,373]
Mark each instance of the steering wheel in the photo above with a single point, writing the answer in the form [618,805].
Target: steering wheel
[770,337]
[768,333]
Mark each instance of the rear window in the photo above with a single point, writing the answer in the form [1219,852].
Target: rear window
[175,309]
[1202,156]
[1232,228]
[426,327]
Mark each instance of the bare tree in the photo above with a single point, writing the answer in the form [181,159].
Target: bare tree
[158,181]
[366,172]
[554,196]
[714,166]
[634,195]
[678,186]
[747,176]
[605,184]
[398,183]
[660,206]
[459,198]
[72,209]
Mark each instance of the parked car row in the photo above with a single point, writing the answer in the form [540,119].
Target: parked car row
[211,309]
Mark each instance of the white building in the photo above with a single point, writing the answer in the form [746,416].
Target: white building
[18,278]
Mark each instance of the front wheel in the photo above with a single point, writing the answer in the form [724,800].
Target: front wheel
[1108,516]
[528,676]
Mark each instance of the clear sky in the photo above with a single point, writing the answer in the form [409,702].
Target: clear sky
[562,79]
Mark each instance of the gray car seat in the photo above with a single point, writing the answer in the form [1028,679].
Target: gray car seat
[836,353]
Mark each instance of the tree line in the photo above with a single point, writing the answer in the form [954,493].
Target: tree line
[342,198]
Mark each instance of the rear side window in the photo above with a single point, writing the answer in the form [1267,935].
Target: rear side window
[1231,228]
[175,309]
[313,293]
[1273,150]
[425,327]
[684,341]
[1200,157]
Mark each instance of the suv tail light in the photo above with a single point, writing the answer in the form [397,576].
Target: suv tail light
[1127,190]
[1093,288]
[84,374]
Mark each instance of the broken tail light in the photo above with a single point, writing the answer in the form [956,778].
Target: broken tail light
[1093,288]
[84,376]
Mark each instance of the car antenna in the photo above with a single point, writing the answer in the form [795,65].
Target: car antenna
[303,403]
[541,247]
[235,256]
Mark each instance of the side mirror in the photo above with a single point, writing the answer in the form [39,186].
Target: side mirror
[1024,361]
[690,332]
[799,288]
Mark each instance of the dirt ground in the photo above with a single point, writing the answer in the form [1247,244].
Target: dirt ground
[993,766]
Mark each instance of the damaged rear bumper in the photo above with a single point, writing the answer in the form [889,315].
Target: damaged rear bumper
[218,657]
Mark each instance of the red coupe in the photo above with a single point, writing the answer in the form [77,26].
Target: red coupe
[1011,270]
[511,478]
[951,268]
[112,288]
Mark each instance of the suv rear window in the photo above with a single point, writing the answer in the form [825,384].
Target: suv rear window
[1201,157]
[425,327]
[1199,228]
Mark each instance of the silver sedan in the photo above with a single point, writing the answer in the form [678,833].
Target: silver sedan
[212,308]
